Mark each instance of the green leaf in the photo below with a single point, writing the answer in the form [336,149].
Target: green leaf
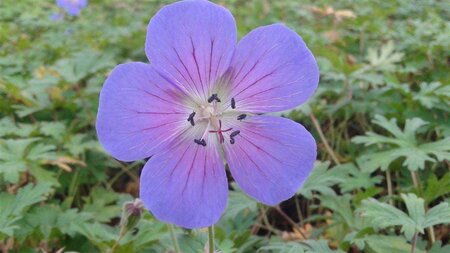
[322,179]
[342,209]
[356,178]
[403,144]
[11,209]
[439,214]
[81,64]
[391,244]
[283,247]
[102,204]
[239,202]
[437,248]
[17,156]
[382,215]
[436,188]
[433,95]
[12,158]
[384,58]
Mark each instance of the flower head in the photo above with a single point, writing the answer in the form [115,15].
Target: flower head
[203,95]
[72,7]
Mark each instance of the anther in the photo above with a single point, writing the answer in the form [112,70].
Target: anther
[191,118]
[233,103]
[232,135]
[241,117]
[200,142]
[214,97]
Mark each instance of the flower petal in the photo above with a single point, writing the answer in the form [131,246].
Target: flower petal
[192,42]
[273,70]
[186,186]
[271,157]
[138,111]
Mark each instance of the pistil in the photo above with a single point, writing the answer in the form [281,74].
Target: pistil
[220,132]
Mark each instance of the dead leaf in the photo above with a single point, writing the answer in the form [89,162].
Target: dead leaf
[63,163]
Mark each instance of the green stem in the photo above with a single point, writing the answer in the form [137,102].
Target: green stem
[174,239]
[389,186]
[211,238]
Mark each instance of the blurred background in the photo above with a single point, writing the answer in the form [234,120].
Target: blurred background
[380,117]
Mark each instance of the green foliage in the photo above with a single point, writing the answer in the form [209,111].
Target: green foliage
[12,208]
[382,105]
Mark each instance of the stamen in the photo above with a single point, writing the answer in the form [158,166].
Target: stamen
[214,97]
[241,117]
[232,135]
[201,142]
[233,103]
[191,118]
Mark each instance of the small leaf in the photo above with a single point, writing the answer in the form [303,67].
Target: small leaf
[322,179]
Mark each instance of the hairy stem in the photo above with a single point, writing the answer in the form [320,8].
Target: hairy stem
[211,239]
[176,246]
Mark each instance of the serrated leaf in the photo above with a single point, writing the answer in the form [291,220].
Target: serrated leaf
[403,144]
[322,179]
[382,215]
[356,178]
[436,188]
[11,211]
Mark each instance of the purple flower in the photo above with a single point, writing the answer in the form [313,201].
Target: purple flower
[202,96]
[72,7]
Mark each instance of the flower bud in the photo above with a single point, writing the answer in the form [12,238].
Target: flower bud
[132,212]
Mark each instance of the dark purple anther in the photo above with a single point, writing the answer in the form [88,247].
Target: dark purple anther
[233,103]
[191,118]
[214,97]
[232,135]
[241,117]
[201,142]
